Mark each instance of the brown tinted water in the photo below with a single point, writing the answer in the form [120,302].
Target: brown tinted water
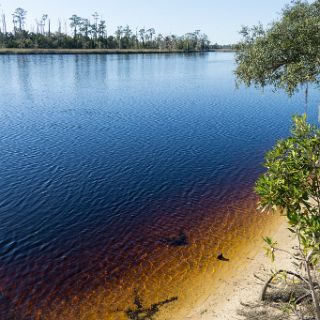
[173,268]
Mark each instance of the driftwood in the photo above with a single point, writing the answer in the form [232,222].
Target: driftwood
[267,284]
[304,297]
[144,313]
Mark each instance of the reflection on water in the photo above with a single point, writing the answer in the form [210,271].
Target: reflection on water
[123,177]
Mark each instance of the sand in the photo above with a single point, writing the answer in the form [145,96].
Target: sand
[241,284]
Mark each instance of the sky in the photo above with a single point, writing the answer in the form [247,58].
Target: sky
[221,20]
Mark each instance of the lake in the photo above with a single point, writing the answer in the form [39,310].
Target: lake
[122,177]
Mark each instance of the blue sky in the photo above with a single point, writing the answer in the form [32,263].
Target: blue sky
[220,19]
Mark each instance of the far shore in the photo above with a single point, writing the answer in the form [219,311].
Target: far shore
[4,51]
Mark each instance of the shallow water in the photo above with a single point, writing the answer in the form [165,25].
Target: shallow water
[123,176]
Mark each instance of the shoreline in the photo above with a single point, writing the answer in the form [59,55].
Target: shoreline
[192,275]
[18,51]
[239,283]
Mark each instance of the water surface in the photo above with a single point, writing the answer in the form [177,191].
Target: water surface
[120,173]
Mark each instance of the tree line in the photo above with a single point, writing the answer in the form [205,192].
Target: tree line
[92,34]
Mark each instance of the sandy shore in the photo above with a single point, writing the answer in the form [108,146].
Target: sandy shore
[239,284]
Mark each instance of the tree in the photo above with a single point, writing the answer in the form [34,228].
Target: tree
[292,185]
[75,24]
[102,28]
[14,21]
[4,25]
[96,18]
[284,55]
[19,18]
[42,23]
[94,26]
[190,41]
[151,33]
[142,35]
[127,32]
[49,28]
[84,27]
[119,34]
[160,41]
[93,31]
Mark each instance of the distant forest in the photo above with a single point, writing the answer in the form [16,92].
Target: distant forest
[93,34]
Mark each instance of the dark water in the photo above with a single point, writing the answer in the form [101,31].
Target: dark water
[103,158]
